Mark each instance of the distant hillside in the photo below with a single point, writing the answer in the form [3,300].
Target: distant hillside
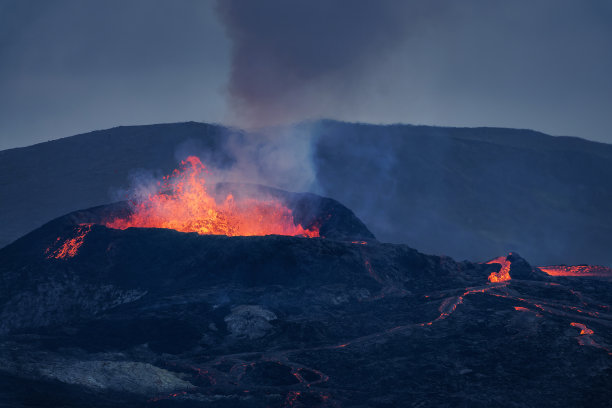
[463,192]
[473,192]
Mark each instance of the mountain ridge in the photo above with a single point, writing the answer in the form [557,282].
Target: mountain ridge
[466,192]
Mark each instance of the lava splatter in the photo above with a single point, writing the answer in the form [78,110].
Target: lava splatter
[183,203]
[70,246]
[504,273]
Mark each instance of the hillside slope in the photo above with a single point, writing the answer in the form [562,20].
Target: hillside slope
[473,193]
[466,192]
[149,317]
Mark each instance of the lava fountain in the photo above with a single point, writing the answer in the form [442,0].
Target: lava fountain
[69,247]
[183,203]
[504,273]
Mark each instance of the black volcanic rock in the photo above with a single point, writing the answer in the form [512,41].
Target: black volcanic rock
[520,268]
[116,267]
[159,318]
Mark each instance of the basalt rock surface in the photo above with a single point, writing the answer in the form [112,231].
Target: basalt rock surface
[159,318]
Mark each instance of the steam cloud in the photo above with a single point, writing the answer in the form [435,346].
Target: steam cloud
[293,60]
[280,157]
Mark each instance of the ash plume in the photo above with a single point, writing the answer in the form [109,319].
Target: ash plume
[293,60]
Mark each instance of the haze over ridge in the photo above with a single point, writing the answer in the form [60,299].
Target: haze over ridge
[465,192]
[73,66]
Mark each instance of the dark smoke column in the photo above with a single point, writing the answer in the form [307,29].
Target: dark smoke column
[295,59]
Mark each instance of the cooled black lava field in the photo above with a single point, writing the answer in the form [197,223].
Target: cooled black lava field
[157,318]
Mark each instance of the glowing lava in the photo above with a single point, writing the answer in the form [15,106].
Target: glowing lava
[583,329]
[586,337]
[577,270]
[504,273]
[70,247]
[182,203]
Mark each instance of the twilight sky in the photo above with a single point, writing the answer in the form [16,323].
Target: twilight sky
[71,66]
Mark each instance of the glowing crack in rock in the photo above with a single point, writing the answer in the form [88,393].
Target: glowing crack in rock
[182,203]
[70,246]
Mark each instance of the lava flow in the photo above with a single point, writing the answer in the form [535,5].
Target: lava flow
[577,270]
[585,338]
[504,273]
[182,203]
[70,247]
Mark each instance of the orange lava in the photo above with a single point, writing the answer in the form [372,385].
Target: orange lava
[70,247]
[577,270]
[586,338]
[371,272]
[183,204]
[342,345]
[583,329]
[504,273]
[165,397]
[292,397]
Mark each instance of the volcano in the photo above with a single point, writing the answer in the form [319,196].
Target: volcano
[470,193]
[110,307]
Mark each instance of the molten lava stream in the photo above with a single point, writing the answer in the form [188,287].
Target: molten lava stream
[182,203]
[504,273]
[585,337]
[583,329]
[70,247]
[577,270]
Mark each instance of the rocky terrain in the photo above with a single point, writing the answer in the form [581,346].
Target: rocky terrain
[159,318]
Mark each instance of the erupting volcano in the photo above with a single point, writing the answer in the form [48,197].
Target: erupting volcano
[154,317]
[183,203]
[205,294]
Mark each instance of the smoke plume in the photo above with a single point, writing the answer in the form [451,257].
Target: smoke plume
[278,157]
[294,60]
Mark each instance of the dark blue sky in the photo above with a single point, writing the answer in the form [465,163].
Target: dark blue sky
[71,66]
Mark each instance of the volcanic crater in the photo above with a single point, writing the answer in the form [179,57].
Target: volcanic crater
[110,306]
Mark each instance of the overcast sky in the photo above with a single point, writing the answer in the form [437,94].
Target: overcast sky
[71,66]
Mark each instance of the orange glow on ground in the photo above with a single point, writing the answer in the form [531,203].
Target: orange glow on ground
[187,207]
[577,270]
[70,247]
[583,329]
[504,273]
